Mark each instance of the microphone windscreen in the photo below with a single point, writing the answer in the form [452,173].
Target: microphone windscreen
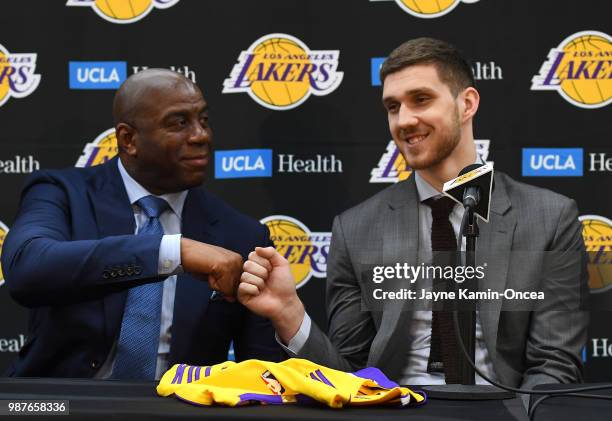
[471,168]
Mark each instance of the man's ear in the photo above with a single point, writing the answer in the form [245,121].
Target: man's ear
[126,138]
[469,101]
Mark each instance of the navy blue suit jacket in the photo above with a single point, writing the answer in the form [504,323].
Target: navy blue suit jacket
[71,255]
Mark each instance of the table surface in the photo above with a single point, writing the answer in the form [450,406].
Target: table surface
[104,399]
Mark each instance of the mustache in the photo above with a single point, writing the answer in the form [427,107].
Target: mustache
[412,132]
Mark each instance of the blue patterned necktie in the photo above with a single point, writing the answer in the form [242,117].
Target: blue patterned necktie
[139,339]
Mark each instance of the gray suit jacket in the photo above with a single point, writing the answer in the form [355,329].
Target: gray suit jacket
[529,347]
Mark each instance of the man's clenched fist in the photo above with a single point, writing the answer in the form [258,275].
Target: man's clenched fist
[220,266]
[267,288]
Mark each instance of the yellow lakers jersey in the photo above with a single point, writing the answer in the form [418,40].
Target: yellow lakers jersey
[292,381]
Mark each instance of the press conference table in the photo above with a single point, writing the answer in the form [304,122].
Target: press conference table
[119,400]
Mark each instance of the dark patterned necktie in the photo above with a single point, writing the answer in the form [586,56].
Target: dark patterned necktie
[444,353]
[139,338]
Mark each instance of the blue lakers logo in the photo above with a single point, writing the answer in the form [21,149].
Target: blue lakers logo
[280,72]
[103,148]
[392,167]
[579,69]
[17,77]
[428,8]
[597,236]
[3,231]
[123,11]
[306,251]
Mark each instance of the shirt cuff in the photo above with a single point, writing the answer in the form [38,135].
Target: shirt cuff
[299,339]
[169,262]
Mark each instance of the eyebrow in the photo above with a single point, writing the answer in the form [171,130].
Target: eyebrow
[411,92]
[181,112]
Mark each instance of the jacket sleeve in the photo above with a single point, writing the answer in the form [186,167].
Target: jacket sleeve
[43,266]
[558,328]
[351,330]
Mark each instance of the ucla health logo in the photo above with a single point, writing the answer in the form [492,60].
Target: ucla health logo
[109,74]
[17,77]
[243,163]
[597,235]
[428,8]
[3,231]
[579,69]
[96,74]
[306,251]
[102,149]
[392,167]
[280,72]
[123,11]
[552,162]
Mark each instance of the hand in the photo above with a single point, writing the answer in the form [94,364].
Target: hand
[222,267]
[267,288]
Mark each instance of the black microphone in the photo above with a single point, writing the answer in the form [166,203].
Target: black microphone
[472,188]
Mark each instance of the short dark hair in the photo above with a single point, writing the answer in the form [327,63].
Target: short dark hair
[452,68]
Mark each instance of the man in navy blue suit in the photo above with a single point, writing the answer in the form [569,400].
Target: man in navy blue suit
[118,262]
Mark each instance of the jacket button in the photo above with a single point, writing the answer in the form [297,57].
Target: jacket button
[113,274]
[106,274]
[121,272]
[94,364]
[137,270]
[130,270]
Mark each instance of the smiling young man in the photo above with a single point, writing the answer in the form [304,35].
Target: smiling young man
[118,262]
[430,98]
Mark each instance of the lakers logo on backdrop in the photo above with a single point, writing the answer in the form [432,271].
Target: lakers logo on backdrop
[428,8]
[597,235]
[580,69]
[392,167]
[103,148]
[280,72]
[3,231]
[123,11]
[17,77]
[306,251]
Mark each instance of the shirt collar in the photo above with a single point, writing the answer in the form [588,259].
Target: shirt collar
[424,189]
[136,192]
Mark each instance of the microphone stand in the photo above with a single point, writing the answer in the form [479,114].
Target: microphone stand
[467,317]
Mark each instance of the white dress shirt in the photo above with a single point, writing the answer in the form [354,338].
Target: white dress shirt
[169,263]
[419,334]
[418,340]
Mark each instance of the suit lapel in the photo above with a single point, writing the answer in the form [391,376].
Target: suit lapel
[198,223]
[114,216]
[400,244]
[494,248]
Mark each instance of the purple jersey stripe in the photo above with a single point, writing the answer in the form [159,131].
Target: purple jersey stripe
[324,379]
[178,377]
[197,373]
[305,399]
[207,371]
[271,399]
[190,374]
[422,393]
[375,374]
